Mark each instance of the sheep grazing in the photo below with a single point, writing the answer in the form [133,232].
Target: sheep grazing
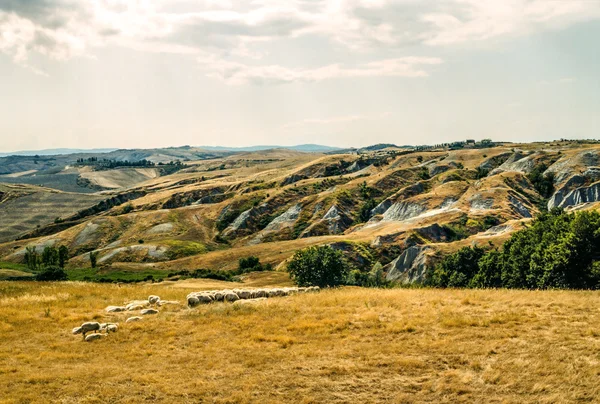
[193,301]
[133,319]
[244,294]
[136,303]
[204,298]
[153,299]
[165,302]
[227,295]
[260,293]
[109,327]
[231,297]
[85,328]
[93,337]
[148,311]
[114,309]
[135,307]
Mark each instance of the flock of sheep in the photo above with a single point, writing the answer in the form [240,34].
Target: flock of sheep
[100,330]
[209,296]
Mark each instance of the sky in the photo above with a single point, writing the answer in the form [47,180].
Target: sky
[142,74]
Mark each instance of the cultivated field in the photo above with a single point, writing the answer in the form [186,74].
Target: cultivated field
[346,345]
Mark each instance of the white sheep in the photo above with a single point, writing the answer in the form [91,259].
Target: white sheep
[148,311]
[204,298]
[114,309]
[93,337]
[244,294]
[134,303]
[231,297]
[260,293]
[132,319]
[85,328]
[193,301]
[109,327]
[135,307]
[153,299]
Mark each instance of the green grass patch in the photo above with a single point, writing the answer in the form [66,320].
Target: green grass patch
[13,266]
[182,248]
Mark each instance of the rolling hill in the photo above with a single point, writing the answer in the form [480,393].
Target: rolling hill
[403,207]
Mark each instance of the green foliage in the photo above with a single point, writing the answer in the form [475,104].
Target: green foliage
[63,255]
[557,250]
[481,173]
[251,264]
[127,209]
[49,256]
[93,258]
[32,259]
[364,214]
[52,273]
[543,184]
[423,174]
[321,266]
[490,221]
[374,278]
[180,249]
[457,269]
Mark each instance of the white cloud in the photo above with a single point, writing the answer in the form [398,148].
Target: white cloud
[233,33]
[238,73]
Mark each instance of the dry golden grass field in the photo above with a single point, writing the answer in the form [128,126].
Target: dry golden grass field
[345,345]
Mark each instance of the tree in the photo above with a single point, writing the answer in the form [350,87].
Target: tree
[320,266]
[377,276]
[49,256]
[457,269]
[93,258]
[32,258]
[63,255]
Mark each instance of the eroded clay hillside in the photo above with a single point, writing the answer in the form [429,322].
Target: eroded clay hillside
[402,207]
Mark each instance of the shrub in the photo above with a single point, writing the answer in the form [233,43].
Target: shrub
[251,264]
[52,273]
[319,266]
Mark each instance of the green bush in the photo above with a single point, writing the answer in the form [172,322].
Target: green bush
[52,273]
[319,266]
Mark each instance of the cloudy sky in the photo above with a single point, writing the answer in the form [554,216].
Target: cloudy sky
[137,73]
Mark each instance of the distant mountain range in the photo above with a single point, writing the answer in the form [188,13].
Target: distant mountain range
[309,148]
[54,152]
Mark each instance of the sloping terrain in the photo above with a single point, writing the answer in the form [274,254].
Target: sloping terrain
[23,208]
[402,207]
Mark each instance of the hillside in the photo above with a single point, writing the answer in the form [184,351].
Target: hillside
[402,207]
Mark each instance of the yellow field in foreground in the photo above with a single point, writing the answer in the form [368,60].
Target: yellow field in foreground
[346,345]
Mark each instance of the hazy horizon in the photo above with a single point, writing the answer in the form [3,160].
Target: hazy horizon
[150,74]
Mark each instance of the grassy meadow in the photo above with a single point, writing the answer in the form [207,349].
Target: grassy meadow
[344,345]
